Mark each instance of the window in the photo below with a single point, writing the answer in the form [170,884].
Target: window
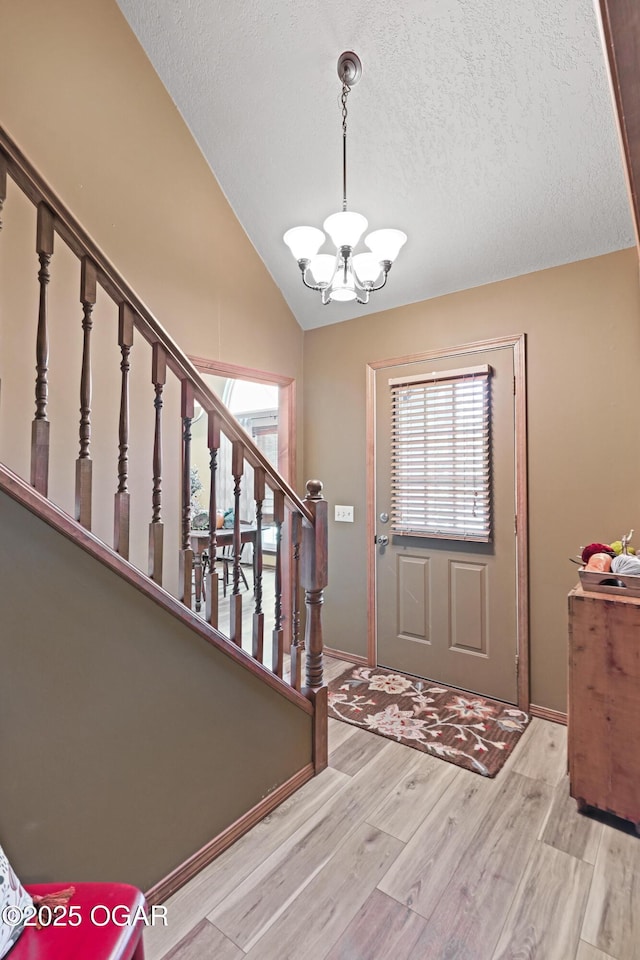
[256,406]
[264,431]
[266,438]
[441,455]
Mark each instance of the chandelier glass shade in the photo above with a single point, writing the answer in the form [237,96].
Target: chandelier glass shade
[343,275]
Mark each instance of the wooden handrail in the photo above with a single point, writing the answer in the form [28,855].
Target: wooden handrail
[33,185]
[23,493]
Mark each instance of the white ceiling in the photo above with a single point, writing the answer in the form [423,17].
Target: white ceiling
[482,128]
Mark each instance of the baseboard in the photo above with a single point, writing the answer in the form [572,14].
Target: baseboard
[343,655]
[555,716]
[178,877]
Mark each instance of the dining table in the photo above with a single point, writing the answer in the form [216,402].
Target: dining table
[224,538]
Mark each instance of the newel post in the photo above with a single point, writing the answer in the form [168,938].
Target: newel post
[313,578]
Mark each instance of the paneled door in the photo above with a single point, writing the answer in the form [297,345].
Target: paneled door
[445,506]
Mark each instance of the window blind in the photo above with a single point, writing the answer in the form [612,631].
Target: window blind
[266,439]
[441,455]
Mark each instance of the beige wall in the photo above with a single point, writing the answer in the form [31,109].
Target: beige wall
[143,744]
[82,101]
[583,337]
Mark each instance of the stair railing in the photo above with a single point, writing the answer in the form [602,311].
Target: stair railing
[305,519]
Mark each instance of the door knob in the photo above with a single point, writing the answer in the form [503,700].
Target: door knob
[382,540]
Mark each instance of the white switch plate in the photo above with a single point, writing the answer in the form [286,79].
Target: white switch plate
[344,514]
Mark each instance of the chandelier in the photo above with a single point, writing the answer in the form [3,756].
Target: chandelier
[343,276]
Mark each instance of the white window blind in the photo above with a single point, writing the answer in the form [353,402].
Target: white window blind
[441,455]
[266,439]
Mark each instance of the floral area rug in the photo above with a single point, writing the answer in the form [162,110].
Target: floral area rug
[463,728]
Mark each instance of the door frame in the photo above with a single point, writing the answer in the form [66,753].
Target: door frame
[518,345]
[287,453]
[287,445]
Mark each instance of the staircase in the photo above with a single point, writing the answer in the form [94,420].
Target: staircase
[53,567]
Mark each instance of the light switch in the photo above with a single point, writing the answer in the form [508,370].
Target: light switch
[344,514]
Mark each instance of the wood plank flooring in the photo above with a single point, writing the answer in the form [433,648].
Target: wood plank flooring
[205,941]
[394,855]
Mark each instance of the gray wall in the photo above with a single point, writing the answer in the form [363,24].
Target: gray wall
[126,742]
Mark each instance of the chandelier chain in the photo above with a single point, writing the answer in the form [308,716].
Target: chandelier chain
[345,93]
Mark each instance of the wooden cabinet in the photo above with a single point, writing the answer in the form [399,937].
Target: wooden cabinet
[604,702]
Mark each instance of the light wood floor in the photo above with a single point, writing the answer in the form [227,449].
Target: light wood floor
[394,855]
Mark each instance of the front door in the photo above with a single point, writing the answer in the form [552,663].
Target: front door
[446,607]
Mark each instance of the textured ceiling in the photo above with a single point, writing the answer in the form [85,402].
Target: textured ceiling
[482,128]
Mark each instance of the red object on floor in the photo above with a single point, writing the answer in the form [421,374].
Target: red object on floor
[100,909]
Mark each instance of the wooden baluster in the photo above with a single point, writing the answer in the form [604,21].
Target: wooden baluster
[296,649]
[122,505]
[3,184]
[212,575]
[40,426]
[235,612]
[277,656]
[259,488]
[84,465]
[186,553]
[156,527]
[313,577]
